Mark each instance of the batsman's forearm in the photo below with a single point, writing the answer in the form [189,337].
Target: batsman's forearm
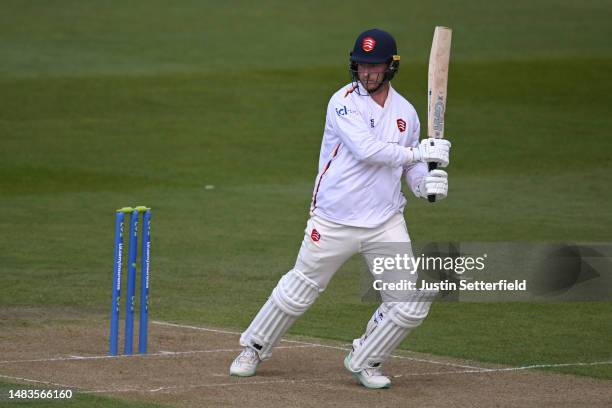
[414,174]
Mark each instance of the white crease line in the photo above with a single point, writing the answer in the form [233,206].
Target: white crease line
[36,381]
[159,354]
[529,367]
[317,345]
[507,369]
[184,326]
[181,387]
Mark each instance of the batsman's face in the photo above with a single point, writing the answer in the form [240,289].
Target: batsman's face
[371,75]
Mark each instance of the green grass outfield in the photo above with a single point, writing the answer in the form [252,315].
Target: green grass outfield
[112,104]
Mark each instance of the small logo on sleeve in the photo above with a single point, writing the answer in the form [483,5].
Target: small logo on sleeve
[315,235]
[401,125]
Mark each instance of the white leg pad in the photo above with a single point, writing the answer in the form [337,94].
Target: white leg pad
[291,297]
[375,320]
[377,344]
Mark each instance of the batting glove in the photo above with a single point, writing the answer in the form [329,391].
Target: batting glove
[433,150]
[435,182]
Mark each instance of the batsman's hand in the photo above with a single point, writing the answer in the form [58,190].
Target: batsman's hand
[435,182]
[433,150]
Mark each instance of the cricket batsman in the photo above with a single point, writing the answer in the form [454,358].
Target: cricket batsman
[370,142]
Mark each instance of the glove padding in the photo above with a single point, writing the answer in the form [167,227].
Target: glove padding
[435,182]
[433,150]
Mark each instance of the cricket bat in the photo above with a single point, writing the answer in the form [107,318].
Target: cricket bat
[436,86]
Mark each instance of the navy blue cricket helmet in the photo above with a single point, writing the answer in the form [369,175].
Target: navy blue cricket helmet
[375,46]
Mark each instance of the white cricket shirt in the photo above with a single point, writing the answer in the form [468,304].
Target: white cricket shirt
[365,151]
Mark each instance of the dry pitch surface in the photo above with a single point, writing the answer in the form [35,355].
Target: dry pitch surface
[187,366]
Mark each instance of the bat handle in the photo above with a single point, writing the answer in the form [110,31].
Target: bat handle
[432,166]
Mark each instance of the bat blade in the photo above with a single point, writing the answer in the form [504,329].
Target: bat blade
[437,81]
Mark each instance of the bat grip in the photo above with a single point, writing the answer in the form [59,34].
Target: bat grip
[432,166]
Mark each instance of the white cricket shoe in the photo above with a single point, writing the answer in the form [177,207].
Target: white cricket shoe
[370,377]
[246,363]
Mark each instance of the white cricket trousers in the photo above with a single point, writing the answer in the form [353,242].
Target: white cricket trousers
[326,246]
[318,260]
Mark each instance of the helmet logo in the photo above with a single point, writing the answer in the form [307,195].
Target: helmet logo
[368,44]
